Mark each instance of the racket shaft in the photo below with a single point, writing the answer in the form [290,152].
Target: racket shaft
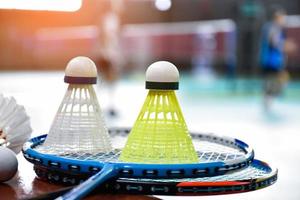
[108,171]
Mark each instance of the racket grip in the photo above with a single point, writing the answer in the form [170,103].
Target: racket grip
[108,171]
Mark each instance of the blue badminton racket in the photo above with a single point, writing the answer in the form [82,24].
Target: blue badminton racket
[217,156]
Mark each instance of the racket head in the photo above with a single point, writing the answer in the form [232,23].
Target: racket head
[256,176]
[217,156]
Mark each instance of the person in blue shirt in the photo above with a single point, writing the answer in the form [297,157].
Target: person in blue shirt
[274,47]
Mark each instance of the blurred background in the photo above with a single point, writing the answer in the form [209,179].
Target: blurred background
[229,31]
[239,62]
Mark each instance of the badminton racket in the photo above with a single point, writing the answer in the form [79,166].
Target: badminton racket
[256,176]
[217,156]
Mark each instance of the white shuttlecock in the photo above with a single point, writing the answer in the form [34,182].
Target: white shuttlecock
[15,128]
[79,125]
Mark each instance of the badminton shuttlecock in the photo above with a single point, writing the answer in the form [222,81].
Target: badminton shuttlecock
[15,128]
[160,134]
[79,125]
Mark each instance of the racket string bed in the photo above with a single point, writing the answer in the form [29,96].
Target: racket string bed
[206,152]
[86,163]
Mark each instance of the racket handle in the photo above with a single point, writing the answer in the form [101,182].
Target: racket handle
[108,171]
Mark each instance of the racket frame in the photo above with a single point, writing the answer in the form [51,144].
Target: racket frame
[132,170]
[131,186]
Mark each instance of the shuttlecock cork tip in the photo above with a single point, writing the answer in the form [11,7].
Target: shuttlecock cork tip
[81,70]
[162,75]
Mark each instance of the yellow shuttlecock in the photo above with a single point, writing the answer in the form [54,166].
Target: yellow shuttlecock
[160,134]
[79,125]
